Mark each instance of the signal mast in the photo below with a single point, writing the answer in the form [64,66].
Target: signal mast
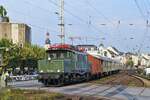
[47,41]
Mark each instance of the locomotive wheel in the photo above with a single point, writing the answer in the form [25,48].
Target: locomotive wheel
[45,82]
[59,82]
[56,81]
[78,78]
[88,77]
[99,76]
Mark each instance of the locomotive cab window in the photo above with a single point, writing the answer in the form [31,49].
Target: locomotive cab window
[61,54]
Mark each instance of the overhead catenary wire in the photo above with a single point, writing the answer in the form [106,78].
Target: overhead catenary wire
[148,2]
[79,18]
[144,36]
[33,25]
[100,13]
[140,10]
[47,11]
[39,27]
[67,11]
[146,6]
[146,20]
[82,20]
[75,16]
[28,15]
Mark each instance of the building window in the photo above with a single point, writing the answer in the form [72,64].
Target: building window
[105,53]
[89,49]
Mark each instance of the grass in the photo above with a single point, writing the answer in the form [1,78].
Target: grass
[132,83]
[17,94]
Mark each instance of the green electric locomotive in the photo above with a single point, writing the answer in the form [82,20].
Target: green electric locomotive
[63,64]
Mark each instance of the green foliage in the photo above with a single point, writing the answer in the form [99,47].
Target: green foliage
[130,63]
[6,46]
[32,52]
[16,56]
[5,43]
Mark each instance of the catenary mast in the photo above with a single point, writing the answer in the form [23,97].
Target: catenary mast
[62,25]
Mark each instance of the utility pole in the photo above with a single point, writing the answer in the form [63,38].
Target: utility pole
[62,25]
[89,28]
[140,47]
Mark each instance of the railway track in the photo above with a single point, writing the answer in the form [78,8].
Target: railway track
[113,87]
[122,78]
[144,84]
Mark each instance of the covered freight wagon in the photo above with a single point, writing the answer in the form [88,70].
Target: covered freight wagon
[96,66]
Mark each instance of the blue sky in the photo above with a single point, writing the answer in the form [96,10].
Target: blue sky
[40,15]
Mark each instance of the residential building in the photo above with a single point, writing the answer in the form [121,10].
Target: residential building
[110,52]
[115,51]
[18,33]
[135,59]
[145,60]
[139,60]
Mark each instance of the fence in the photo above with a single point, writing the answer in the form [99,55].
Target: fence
[22,77]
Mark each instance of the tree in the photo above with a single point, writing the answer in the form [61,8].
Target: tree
[130,63]
[32,52]
[15,56]
[7,46]
[39,52]
[4,45]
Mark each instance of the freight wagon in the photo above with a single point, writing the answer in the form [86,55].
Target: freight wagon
[66,64]
[96,66]
[102,66]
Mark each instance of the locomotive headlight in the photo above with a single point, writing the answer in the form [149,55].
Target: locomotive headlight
[41,71]
[58,70]
[49,58]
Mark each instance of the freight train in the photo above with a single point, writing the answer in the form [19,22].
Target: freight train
[66,64]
